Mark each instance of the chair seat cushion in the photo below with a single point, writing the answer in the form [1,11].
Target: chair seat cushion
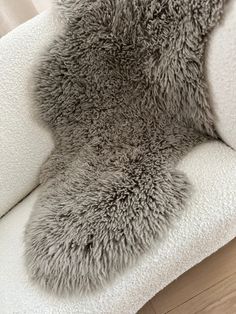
[208,223]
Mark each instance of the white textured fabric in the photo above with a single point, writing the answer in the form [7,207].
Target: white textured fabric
[222,74]
[23,144]
[208,223]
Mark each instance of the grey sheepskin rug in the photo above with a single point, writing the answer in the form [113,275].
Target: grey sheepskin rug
[123,91]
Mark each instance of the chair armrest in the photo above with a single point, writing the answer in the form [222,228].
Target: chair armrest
[221,62]
[24,144]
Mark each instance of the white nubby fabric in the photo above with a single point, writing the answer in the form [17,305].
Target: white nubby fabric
[221,64]
[208,222]
[24,144]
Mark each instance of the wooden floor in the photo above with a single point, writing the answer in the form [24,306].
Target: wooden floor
[208,288]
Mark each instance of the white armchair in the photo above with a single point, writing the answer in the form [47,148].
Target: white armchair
[208,223]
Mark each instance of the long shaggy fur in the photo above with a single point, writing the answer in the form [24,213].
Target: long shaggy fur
[122,89]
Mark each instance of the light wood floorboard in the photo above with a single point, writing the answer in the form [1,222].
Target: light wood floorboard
[209,287]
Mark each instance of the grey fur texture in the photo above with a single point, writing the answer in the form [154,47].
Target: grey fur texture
[123,91]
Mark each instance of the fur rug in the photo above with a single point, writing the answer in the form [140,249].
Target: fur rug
[122,88]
